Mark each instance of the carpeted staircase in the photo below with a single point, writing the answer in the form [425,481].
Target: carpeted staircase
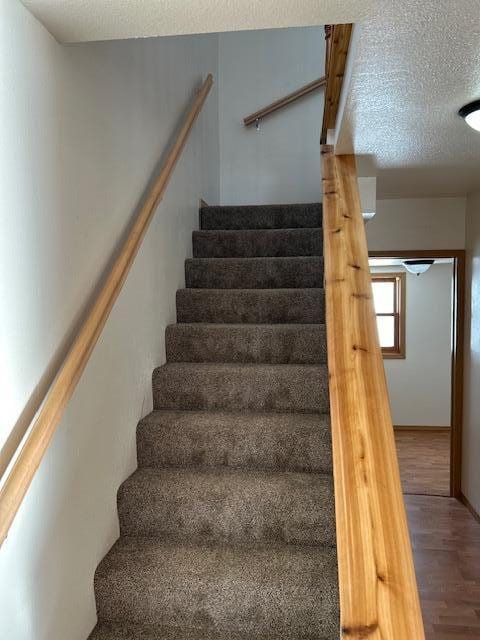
[228,527]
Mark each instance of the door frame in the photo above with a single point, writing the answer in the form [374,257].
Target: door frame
[458,332]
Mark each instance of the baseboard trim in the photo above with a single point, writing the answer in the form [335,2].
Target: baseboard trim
[407,427]
[469,506]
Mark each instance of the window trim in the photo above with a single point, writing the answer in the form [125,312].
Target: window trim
[399,278]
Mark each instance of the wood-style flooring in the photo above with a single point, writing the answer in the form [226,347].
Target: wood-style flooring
[424,458]
[445,538]
[446,545]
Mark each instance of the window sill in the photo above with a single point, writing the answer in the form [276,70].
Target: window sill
[393,356]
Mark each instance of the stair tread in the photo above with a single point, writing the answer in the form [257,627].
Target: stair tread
[239,366]
[137,631]
[228,524]
[231,260]
[265,441]
[279,206]
[251,306]
[237,386]
[267,343]
[228,505]
[279,326]
[284,589]
[303,215]
[254,273]
[257,242]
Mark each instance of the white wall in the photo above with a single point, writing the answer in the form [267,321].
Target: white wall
[420,385]
[471,419]
[81,130]
[281,163]
[418,223]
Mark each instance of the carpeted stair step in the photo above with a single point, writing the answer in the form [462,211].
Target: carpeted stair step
[277,216]
[267,343]
[236,387]
[287,590]
[263,441]
[228,506]
[228,525]
[251,243]
[254,273]
[139,631]
[251,306]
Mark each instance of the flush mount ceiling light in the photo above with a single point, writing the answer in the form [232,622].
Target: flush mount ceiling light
[417,266]
[368,215]
[471,114]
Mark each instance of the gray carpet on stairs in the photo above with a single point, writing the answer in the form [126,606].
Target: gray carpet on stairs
[241,387]
[273,343]
[227,528]
[254,243]
[238,440]
[254,273]
[251,306]
[272,216]
[138,631]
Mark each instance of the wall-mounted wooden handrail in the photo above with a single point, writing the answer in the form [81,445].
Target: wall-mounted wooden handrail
[337,38]
[32,452]
[378,591]
[285,101]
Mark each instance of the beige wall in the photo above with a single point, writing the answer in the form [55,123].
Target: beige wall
[81,129]
[409,224]
[471,421]
[419,385]
[418,223]
[281,162]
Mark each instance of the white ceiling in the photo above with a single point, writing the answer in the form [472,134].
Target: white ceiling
[417,62]
[82,20]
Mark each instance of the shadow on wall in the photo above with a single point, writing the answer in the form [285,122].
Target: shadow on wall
[280,163]
[102,115]
[421,182]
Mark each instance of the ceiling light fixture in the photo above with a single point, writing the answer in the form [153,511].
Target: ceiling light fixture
[471,114]
[368,215]
[417,266]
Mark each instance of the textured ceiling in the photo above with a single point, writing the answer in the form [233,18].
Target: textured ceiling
[82,20]
[416,63]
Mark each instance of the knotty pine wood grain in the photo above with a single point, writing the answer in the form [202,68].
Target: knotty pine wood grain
[338,43]
[378,591]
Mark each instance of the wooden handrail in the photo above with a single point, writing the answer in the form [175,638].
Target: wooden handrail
[32,452]
[378,591]
[285,101]
[337,38]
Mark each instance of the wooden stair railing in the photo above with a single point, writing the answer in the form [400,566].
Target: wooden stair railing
[378,591]
[32,452]
[285,101]
[337,43]
[337,39]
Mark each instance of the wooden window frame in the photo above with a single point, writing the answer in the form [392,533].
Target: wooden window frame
[398,351]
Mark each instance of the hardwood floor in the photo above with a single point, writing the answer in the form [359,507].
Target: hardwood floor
[424,458]
[446,544]
[445,538]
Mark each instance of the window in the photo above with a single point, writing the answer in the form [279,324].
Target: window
[389,302]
